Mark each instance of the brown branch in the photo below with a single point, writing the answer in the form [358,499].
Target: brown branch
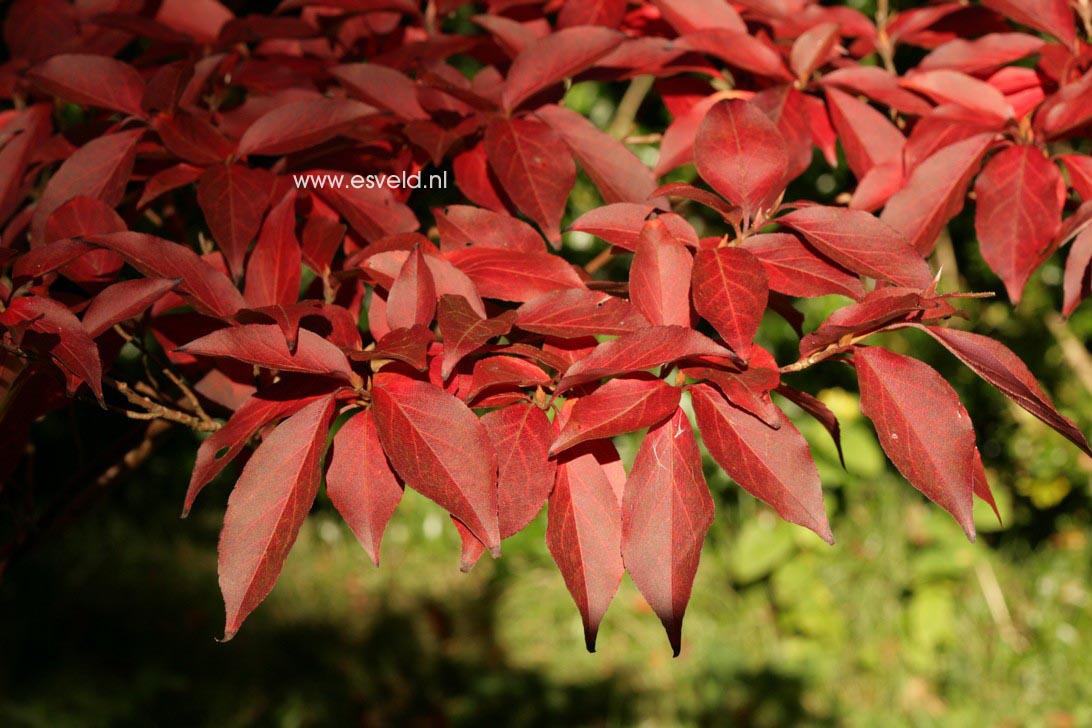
[838,347]
[156,411]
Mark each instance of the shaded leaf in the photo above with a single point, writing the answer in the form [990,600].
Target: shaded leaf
[666,512]
[441,450]
[234,198]
[464,331]
[521,435]
[523,153]
[360,481]
[267,507]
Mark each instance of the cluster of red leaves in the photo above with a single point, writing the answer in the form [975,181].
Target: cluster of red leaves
[492,374]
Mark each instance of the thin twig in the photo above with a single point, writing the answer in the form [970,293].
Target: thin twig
[156,411]
[599,261]
[622,123]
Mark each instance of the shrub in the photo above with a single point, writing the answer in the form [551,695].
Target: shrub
[257,208]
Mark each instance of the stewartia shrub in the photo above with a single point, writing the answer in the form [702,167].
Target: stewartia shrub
[177,183]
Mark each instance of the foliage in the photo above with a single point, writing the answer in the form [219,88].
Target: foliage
[471,363]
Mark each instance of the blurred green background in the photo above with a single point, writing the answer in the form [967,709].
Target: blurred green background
[111,618]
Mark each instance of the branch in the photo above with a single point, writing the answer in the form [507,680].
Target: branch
[155,411]
[626,112]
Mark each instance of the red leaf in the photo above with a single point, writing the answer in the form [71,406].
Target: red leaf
[619,224]
[552,59]
[405,345]
[644,349]
[98,169]
[441,450]
[234,198]
[521,435]
[1019,198]
[773,465]
[338,325]
[922,427]
[730,213]
[383,87]
[686,16]
[192,138]
[935,192]
[1079,167]
[981,55]
[322,237]
[264,345]
[360,481]
[122,301]
[273,273]
[868,137]
[267,508]
[995,363]
[506,373]
[301,124]
[462,225]
[616,172]
[812,48]
[953,87]
[742,155]
[412,297]
[794,269]
[1077,283]
[666,512]
[77,218]
[1054,17]
[737,48]
[280,400]
[91,80]
[169,179]
[464,331]
[747,388]
[575,312]
[477,181]
[622,405]
[68,341]
[512,275]
[860,242]
[204,287]
[524,155]
[660,277]
[608,13]
[373,213]
[584,536]
[730,292]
